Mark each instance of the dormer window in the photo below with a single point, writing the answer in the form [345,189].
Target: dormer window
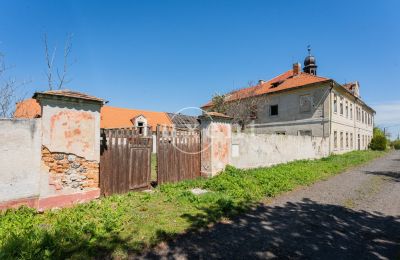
[140,123]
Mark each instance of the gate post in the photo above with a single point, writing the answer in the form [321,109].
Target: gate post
[216,142]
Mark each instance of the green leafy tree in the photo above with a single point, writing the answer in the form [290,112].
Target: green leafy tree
[379,141]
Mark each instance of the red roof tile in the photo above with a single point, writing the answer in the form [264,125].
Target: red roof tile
[111,117]
[284,81]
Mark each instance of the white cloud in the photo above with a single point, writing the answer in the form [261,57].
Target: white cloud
[388,115]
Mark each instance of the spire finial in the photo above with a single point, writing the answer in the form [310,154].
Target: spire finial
[309,49]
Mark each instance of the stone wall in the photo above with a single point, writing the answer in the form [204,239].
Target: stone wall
[70,173]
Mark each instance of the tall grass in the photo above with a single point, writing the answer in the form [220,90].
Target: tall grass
[120,224]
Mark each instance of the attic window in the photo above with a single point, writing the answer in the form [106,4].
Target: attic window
[277,83]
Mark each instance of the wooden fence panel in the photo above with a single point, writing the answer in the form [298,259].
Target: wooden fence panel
[178,154]
[125,160]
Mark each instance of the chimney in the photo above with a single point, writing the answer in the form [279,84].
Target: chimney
[296,69]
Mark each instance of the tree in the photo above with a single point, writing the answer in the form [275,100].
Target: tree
[379,141]
[241,105]
[8,91]
[62,78]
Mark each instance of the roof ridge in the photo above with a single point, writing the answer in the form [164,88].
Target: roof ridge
[137,110]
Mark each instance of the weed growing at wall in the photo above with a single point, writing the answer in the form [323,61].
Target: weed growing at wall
[121,224]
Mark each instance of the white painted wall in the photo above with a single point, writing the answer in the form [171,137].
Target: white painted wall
[20,156]
[259,150]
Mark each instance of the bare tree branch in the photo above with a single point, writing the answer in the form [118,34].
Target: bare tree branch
[67,50]
[49,61]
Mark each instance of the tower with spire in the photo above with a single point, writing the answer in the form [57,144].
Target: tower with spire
[310,64]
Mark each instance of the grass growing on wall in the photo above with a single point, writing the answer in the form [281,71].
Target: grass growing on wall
[134,221]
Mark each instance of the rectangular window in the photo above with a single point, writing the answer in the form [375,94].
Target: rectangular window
[335,139]
[305,133]
[280,133]
[351,111]
[351,140]
[341,140]
[273,110]
[305,103]
[362,117]
[335,103]
[341,106]
[253,112]
[347,109]
[347,140]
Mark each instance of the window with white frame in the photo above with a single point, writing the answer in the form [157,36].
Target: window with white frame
[351,140]
[347,109]
[341,106]
[347,140]
[351,111]
[335,103]
[341,140]
[335,141]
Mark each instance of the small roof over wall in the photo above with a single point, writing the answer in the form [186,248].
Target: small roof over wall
[65,93]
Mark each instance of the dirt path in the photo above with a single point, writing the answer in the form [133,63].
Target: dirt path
[354,215]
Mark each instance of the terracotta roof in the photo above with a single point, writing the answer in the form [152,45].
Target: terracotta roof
[28,108]
[111,117]
[115,117]
[216,114]
[284,81]
[68,93]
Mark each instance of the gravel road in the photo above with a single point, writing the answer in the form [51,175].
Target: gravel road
[354,215]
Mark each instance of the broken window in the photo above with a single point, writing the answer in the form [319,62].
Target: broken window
[273,110]
[253,112]
[305,103]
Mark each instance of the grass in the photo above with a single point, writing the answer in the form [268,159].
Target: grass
[120,224]
[153,167]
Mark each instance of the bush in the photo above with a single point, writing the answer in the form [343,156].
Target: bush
[378,143]
[396,144]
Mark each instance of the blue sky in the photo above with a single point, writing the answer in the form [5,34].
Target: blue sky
[165,55]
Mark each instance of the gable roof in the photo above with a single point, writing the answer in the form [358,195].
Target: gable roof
[116,117]
[68,93]
[284,81]
[111,117]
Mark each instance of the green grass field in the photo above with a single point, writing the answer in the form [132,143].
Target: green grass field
[120,224]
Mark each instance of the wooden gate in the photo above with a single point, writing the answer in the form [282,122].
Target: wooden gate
[178,154]
[125,158]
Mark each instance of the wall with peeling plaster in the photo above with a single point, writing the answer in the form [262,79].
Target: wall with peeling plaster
[71,127]
[20,156]
[257,150]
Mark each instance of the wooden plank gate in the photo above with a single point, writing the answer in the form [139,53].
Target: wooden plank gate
[178,154]
[125,158]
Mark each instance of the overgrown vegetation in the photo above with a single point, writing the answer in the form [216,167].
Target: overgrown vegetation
[396,144]
[379,141]
[120,224]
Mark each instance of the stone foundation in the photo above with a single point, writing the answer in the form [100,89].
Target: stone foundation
[69,172]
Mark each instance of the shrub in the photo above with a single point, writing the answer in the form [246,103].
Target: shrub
[378,143]
[396,144]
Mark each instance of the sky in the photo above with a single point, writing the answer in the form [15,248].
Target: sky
[168,55]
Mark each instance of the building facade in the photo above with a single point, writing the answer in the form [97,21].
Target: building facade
[302,103]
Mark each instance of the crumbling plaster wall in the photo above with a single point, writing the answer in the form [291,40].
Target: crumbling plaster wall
[71,127]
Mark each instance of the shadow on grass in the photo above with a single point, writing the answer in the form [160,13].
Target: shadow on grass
[296,230]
